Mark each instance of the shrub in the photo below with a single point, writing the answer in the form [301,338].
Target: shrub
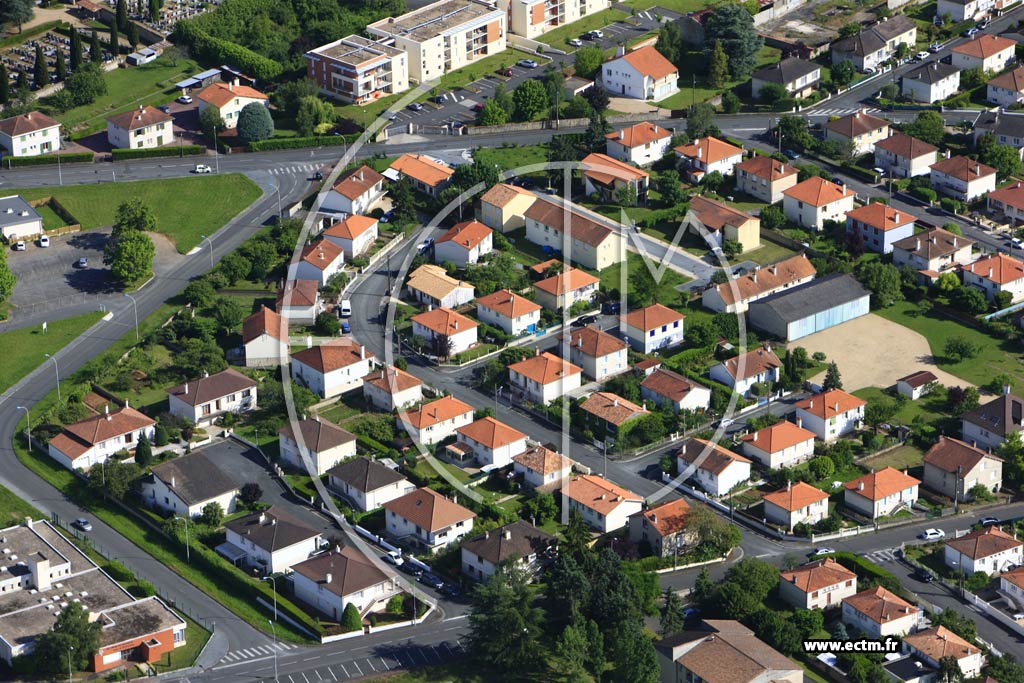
[350,620]
[184,150]
[72,158]
[300,143]
[868,572]
[119,572]
[925,194]
[208,49]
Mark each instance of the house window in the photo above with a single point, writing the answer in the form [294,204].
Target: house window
[246,393]
[231,398]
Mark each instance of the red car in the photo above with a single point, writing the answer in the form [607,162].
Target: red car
[478,107]
[507,72]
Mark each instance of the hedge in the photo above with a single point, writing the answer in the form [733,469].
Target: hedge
[867,570]
[299,143]
[208,49]
[71,158]
[184,150]
[19,38]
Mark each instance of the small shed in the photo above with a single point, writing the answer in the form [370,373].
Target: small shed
[915,385]
[18,219]
[143,56]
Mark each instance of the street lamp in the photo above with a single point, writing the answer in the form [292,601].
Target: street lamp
[135,307]
[188,550]
[28,426]
[273,582]
[71,648]
[207,239]
[274,631]
[56,369]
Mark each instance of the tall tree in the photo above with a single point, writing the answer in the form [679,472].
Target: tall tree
[40,70]
[154,10]
[732,25]
[671,614]
[114,41]
[76,49]
[718,66]
[928,126]
[130,257]
[949,670]
[633,655]
[133,215]
[121,15]
[571,655]
[95,50]
[505,625]
[843,74]
[531,98]
[255,123]
[597,129]
[143,452]
[21,85]
[72,635]
[132,34]
[833,380]
[62,67]
[17,12]
[700,120]
[588,61]
[5,85]
[7,279]
[670,42]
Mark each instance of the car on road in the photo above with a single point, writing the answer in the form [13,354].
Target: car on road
[184,99]
[410,569]
[432,580]
[935,47]
[923,55]
[451,590]
[870,71]
[527,63]
[1016,243]
[791,154]
[392,116]
[346,308]
[82,263]
[393,557]
[164,108]
[725,422]
[83,524]
[971,32]
[838,181]
[202,168]
[576,42]
[588,319]
[989,521]
[818,552]
[426,244]
[346,328]
[416,106]
[984,24]
[922,574]
[44,241]
[932,534]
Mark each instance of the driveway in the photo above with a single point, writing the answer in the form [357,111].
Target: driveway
[894,351]
[48,278]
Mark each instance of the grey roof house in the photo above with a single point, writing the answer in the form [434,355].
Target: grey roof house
[187,484]
[367,483]
[875,44]
[1007,126]
[931,82]
[18,219]
[797,76]
[811,307]
[516,542]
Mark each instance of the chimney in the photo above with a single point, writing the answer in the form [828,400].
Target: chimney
[753,276]
[789,485]
[990,273]
[1006,389]
[810,404]
[860,486]
[362,353]
[896,217]
[622,134]
[774,270]
[954,241]
[933,239]
[507,535]
[172,482]
[947,154]
[800,422]
[263,518]
[615,403]
[106,409]
[328,577]
[654,517]
[455,324]
[837,406]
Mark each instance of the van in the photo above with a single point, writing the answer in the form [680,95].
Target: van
[346,309]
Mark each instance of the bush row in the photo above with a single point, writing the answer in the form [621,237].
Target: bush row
[72,158]
[299,143]
[184,150]
[208,49]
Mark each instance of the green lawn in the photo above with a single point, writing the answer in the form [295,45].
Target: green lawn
[928,409]
[14,510]
[767,253]
[695,66]
[901,458]
[996,356]
[150,84]
[184,656]
[22,350]
[666,293]
[560,36]
[511,157]
[51,221]
[174,201]
[681,6]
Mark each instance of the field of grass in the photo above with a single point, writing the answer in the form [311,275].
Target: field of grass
[901,458]
[694,66]
[174,201]
[681,6]
[14,510]
[22,350]
[151,83]
[928,409]
[51,221]
[666,292]
[767,253]
[511,157]
[996,356]
[560,36]
[184,656]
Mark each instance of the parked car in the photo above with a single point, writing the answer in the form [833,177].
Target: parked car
[576,42]
[388,216]
[588,319]
[838,181]
[432,580]
[164,108]
[870,71]
[82,263]
[83,524]
[319,175]
[184,99]
[791,154]
[611,307]
[1016,243]
[971,32]
[984,23]
[346,308]
[923,55]
[451,590]
[410,569]
[393,557]
[438,99]
[922,574]
[818,552]
[527,63]
[506,72]
[44,241]
[202,168]
[935,47]
[19,245]
[458,124]
[478,107]
[346,328]
[932,534]
[596,33]
[416,106]
[989,521]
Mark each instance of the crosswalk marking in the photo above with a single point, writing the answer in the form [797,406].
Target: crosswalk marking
[882,556]
[292,169]
[257,651]
[839,111]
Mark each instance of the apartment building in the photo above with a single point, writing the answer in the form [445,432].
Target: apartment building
[357,70]
[532,18]
[142,128]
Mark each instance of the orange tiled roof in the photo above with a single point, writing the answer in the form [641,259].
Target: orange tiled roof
[667,518]
[962,168]
[778,437]
[140,118]
[903,145]
[829,404]
[817,575]
[354,183]
[605,170]
[985,45]
[299,293]
[467,234]
[1014,576]
[715,215]
[333,356]
[856,124]
[491,433]
[818,192]
[880,605]
[766,279]
[422,168]
[650,62]
[717,459]
[593,342]
[503,193]
[753,363]
[79,437]
[611,407]
[639,134]
[671,385]
[580,226]
[1011,195]
[998,268]
[264,321]
[542,460]
[392,380]
[984,543]
[796,497]
[440,410]
[598,494]
[322,254]
[652,317]
[770,169]
[878,215]
[220,94]
[428,509]
[567,281]
[1012,80]
[507,303]
[352,227]
[881,484]
[444,321]
[709,150]
[950,455]
[545,368]
[26,123]
[938,642]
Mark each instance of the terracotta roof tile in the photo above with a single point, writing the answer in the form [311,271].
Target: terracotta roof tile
[341,573]
[78,438]
[491,433]
[205,389]
[817,575]
[298,294]
[569,280]
[770,169]
[938,642]
[467,235]
[355,182]
[439,410]
[321,255]
[652,317]
[880,605]
[392,380]
[581,227]
[905,146]
[545,368]
[219,94]
[611,407]
[962,168]
[318,435]
[593,342]
[433,281]
[1011,195]
[998,268]
[733,654]
[26,123]
[506,303]
[818,192]
[716,216]
[422,168]
[667,518]
[429,510]
[950,455]
[605,170]
[1011,80]
[333,355]
[444,321]
[752,363]
[878,215]
[501,194]
[264,321]
[795,497]
[1014,576]
[984,543]
[766,279]
[881,484]
[830,404]
[933,243]
[351,227]
[543,460]
[598,494]
[715,461]
[671,385]
[139,118]
[709,150]
[919,378]
[856,124]
[639,134]
[985,45]
[649,62]
[778,437]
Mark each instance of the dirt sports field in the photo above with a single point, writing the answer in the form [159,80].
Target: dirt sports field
[874,352]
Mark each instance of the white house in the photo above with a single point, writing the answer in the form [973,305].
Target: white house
[491,441]
[986,52]
[1008,200]
[1005,89]
[859,129]
[427,520]
[143,128]
[357,192]
[641,144]
[332,368]
[799,77]
[367,484]
[604,506]
[707,155]
[544,377]
[952,468]
[562,290]
[962,178]
[29,135]
[994,274]
[445,331]
[880,226]
[932,252]
[1011,586]
[716,470]
[354,234]
[902,156]
[916,384]
[798,503]
[736,294]
[323,443]
[782,444]
[515,315]
[765,178]
[881,493]
[264,338]
[964,10]
[667,388]
[743,372]
[299,302]
[878,612]
[203,400]
[830,414]
[874,45]
[430,285]
[716,222]
[465,243]
[519,543]
[341,577]
[817,585]
[594,241]
[437,420]
[653,328]
[503,207]
[605,413]
[931,82]
[600,354]
[542,468]
[936,643]
[988,425]
[610,177]
[390,388]
[187,484]
[95,439]
[18,219]
[272,540]
[319,261]
[425,174]
[228,100]
[664,528]
[816,200]
[990,550]
[642,74]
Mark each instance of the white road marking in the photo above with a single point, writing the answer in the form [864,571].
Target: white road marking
[386,667]
[370,662]
[332,673]
[347,675]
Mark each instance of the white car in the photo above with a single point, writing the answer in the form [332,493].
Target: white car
[923,55]
[818,552]
[393,557]
[1016,243]
[932,534]
[576,42]
[184,99]
[202,168]
[44,241]
[527,63]
[19,246]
